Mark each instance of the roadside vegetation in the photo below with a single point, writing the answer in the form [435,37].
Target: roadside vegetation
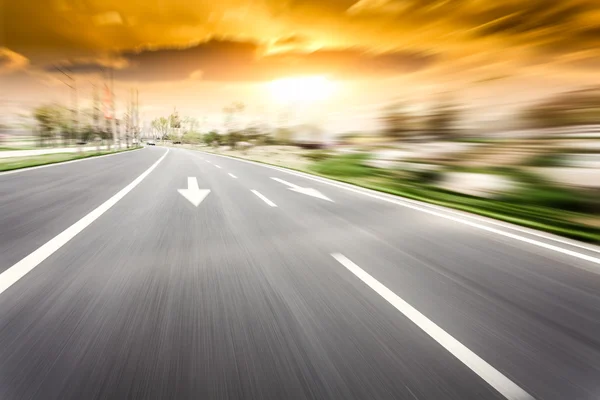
[535,203]
[423,153]
[8,164]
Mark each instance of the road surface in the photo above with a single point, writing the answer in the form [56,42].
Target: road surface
[175,274]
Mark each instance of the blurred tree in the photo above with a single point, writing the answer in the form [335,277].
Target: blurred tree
[580,107]
[397,121]
[232,114]
[441,120]
[233,138]
[51,120]
[212,139]
[88,133]
[175,126]
[283,135]
[232,123]
[191,138]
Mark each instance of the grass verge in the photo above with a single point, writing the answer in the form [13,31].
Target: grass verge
[350,169]
[9,164]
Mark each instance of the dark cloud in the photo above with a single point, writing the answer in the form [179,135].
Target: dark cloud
[223,60]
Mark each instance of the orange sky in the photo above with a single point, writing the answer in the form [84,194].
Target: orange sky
[492,55]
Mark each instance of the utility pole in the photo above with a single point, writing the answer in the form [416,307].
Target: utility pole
[129,118]
[137,116]
[112,92]
[95,114]
[74,105]
[95,107]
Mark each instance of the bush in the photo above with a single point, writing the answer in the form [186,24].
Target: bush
[212,138]
[191,138]
[547,160]
[317,155]
[350,165]
[427,176]
[552,197]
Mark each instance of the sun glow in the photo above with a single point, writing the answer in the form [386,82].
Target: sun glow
[301,89]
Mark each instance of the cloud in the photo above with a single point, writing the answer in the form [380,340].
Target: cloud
[225,60]
[11,61]
[292,40]
[108,18]
[272,38]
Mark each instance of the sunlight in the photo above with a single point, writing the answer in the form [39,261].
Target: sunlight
[301,89]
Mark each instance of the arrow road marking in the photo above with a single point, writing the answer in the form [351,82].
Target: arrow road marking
[307,191]
[193,193]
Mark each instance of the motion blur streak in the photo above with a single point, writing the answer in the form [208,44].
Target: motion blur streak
[176,176]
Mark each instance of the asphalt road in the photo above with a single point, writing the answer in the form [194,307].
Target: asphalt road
[114,285]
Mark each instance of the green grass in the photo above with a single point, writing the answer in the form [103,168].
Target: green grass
[10,148]
[8,164]
[536,205]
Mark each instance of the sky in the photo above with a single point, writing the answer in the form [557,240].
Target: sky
[491,56]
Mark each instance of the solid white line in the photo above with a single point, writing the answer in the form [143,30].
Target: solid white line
[263,198]
[460,217]
[492,376]
[20,269]
[232,175]
[217,166]
[65,162]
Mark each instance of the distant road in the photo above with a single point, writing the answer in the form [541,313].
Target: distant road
[174,274]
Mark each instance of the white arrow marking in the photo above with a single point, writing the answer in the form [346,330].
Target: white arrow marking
[307,191]
[194,194]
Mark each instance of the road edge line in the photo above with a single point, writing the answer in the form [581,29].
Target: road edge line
[13,274]
[416,205]
[482,368]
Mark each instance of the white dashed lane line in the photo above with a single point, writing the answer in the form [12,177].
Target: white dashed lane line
[263,198]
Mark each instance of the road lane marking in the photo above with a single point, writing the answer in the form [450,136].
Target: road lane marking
[460,217]
[232,175]
[66,162]
[21,268]
[217,166]
[492,376]
[292,185]
[307,191]
[193,193]
[263,198]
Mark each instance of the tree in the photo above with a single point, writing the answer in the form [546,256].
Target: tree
[191,138]
[283,135]
[50,119]
[232,112]
[212,138]
[161,127]
[441,119]
[397,121]
[580,107]
[175,126]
